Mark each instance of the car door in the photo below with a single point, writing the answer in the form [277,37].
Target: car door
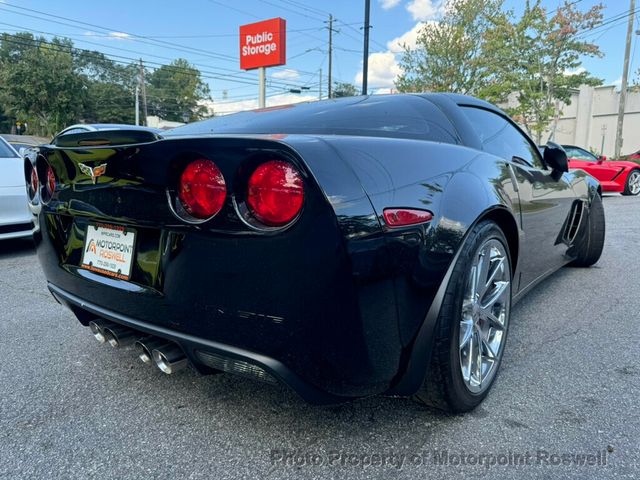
[584,160]
[545,201]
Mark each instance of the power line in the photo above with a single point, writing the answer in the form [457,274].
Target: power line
[282,86]
[618,19]
[174,46]
[213,74]
[141,38]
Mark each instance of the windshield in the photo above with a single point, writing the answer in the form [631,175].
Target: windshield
[6,151]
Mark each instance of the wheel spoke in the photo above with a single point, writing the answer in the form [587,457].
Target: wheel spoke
[482,274]
[489,350]
[467,365]
[494,322]
[473,283]
[478,357]
[497,268]
[466,331]
[499,291]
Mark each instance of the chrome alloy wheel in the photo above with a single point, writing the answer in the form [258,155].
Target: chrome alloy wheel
[485,314]
[634,182]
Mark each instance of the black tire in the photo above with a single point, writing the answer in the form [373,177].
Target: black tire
[444,387]
[627,186]
[589,249]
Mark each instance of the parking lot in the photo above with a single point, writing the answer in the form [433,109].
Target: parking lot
[568,387]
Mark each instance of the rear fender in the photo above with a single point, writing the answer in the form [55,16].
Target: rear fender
[466,201]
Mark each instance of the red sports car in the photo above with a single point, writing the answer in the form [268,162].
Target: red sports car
[614,175]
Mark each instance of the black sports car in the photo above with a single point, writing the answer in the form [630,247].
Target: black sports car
[350,247]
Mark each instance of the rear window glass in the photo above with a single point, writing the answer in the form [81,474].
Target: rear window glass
[6,150]
[378,116]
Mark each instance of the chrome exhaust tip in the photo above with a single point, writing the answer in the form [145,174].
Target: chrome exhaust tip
[119,336]
[96,331]
[146,346]
[98,327]
[170,359]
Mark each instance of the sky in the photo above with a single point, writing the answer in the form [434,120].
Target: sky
[206,33]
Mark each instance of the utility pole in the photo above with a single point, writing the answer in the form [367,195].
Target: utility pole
[320,86]
[144,94]
[262,87]
[330,55]
[137,105]
[365,59]
[625,75]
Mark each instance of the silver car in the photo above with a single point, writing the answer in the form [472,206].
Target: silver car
[16,218]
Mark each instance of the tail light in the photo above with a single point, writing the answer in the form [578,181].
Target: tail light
[51,180]
[33,183]
[402,217]
[275,193]
[31,179]
[50,185]
[202,189]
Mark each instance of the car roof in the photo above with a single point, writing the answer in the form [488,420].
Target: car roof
[334,115]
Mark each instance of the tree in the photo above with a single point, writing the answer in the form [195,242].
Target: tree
[110,89]
[175,92]
[538,61]
[450,54]
[343,89]
[39,82]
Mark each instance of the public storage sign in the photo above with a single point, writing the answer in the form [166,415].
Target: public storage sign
[263,44]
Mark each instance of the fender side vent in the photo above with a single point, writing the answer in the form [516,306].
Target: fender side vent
[575,219]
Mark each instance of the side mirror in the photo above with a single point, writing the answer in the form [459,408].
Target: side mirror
[22,152]
[556,158]
[602,158]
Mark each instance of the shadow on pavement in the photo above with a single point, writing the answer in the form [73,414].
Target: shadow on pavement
[17,247]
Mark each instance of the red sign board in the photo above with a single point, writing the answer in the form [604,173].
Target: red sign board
[263,44]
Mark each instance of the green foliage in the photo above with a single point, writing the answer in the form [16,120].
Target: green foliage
[538,61]
[50,84]
[532,63]
[39,82]
[175,90]
[451,54]
[343,89]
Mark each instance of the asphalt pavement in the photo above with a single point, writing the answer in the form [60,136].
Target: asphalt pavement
[565,404]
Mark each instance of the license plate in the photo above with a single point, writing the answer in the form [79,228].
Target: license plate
[108,250]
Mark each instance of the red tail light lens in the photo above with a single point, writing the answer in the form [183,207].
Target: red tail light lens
[401,217]
[51,180]
[275,193]
[33,182]
[202,189]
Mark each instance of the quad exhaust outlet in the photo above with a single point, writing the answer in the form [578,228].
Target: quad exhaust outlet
[170,359]
[167,356]
[146,346]
[97,329]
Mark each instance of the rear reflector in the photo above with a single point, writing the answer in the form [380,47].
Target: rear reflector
[401,217]
[202,189]
[237,367]
[275,193]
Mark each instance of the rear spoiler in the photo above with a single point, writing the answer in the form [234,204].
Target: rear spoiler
[106,138]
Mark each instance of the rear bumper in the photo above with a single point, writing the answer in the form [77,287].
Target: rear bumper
[199,349]
[16,220]
[18,230]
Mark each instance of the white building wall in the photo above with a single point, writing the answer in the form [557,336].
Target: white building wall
[590,121]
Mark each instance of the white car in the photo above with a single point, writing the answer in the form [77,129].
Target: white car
[16,218]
